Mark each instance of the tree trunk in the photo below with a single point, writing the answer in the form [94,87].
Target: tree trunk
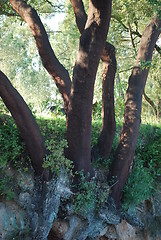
[104,145]
[120,167]
[25,122]
[49,60]
[106,137]
[91,45]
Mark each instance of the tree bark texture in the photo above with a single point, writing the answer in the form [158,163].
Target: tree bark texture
[25,122]
[49,60]
[106,137]
[91,45]
[91,42]
[120,167]
[104,145]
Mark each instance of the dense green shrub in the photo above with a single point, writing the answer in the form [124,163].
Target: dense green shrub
[12,153]
[141,183]
[90,195]
[11,145]
[56,160]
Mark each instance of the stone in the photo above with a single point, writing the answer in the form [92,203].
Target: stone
[13,221]
[111,232]
[125,231]
[25,181]
[59,228]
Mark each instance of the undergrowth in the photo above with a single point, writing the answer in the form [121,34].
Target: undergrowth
[141,183]
[89,196]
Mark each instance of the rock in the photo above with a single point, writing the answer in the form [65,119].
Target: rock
[25,181]
[156,203]
[43,209]
[111,232]
[24,199]
[126,232]
[75,224]
[109,214]
[13,221]
[58,230]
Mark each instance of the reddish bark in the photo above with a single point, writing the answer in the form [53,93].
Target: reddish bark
[106,137]
[132,115]
[104,145]
[92,42]
[49,60]
[25,122]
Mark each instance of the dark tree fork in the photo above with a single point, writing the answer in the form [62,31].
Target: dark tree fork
[78,93]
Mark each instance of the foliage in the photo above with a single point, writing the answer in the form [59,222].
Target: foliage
[145,65]
[139,187]
[11,145]
[54,128]
[150,149]
[85,198]
[42,6]
[152,88]
[55,160]
[90,195]
[12,154]
[6,186]
[141,183]
[22,65]
[96,128]
[156,6]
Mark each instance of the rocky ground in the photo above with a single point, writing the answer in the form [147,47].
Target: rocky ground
[38,207]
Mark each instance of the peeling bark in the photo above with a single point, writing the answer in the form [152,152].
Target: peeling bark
[49,60]
[120,167]
[25,122]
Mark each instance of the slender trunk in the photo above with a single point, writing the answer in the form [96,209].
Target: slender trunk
[92,42]
[105,140]
[151,103]
[104,145]
[120,167]
[25,122]
[49,60]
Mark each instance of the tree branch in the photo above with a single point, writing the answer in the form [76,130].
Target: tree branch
[80,14]
[25,122]
[8,14]
[132,40]
[123,159]
[49,60]
[137,33]
[60,7]
[151,103]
